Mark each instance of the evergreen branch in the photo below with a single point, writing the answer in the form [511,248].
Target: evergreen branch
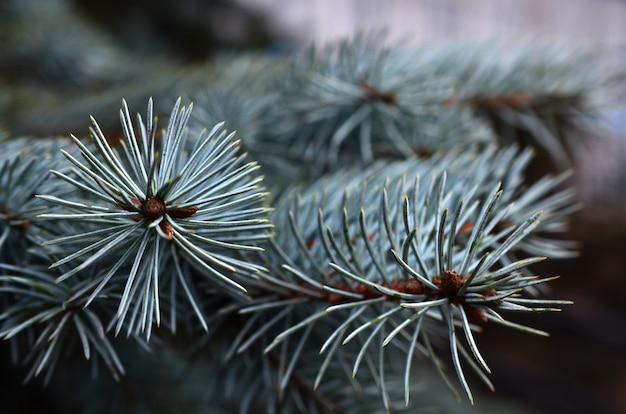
[338,251]
[49,311]
[361,97]
[156,193]
[369,269]
[23,173]
[532,95]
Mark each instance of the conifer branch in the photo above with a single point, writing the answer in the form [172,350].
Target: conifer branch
[55,319]
[385,257]
[325,296]
[157,199]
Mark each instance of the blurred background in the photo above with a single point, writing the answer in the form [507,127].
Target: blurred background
[596,23]
[61,60]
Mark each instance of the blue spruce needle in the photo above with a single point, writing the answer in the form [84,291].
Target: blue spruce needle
[156,200]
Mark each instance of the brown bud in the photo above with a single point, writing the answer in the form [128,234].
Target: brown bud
[182,213]
[475,314]
[414,287]
[167,229]
[153,208]
[451,282]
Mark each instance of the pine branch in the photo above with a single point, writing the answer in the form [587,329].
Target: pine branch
[155,201]
[391,255]
[369,269]
[358,99]
[242,377]
[544,96]
[24,172]
[54,319]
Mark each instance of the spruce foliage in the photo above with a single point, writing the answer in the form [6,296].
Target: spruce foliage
[370,215]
